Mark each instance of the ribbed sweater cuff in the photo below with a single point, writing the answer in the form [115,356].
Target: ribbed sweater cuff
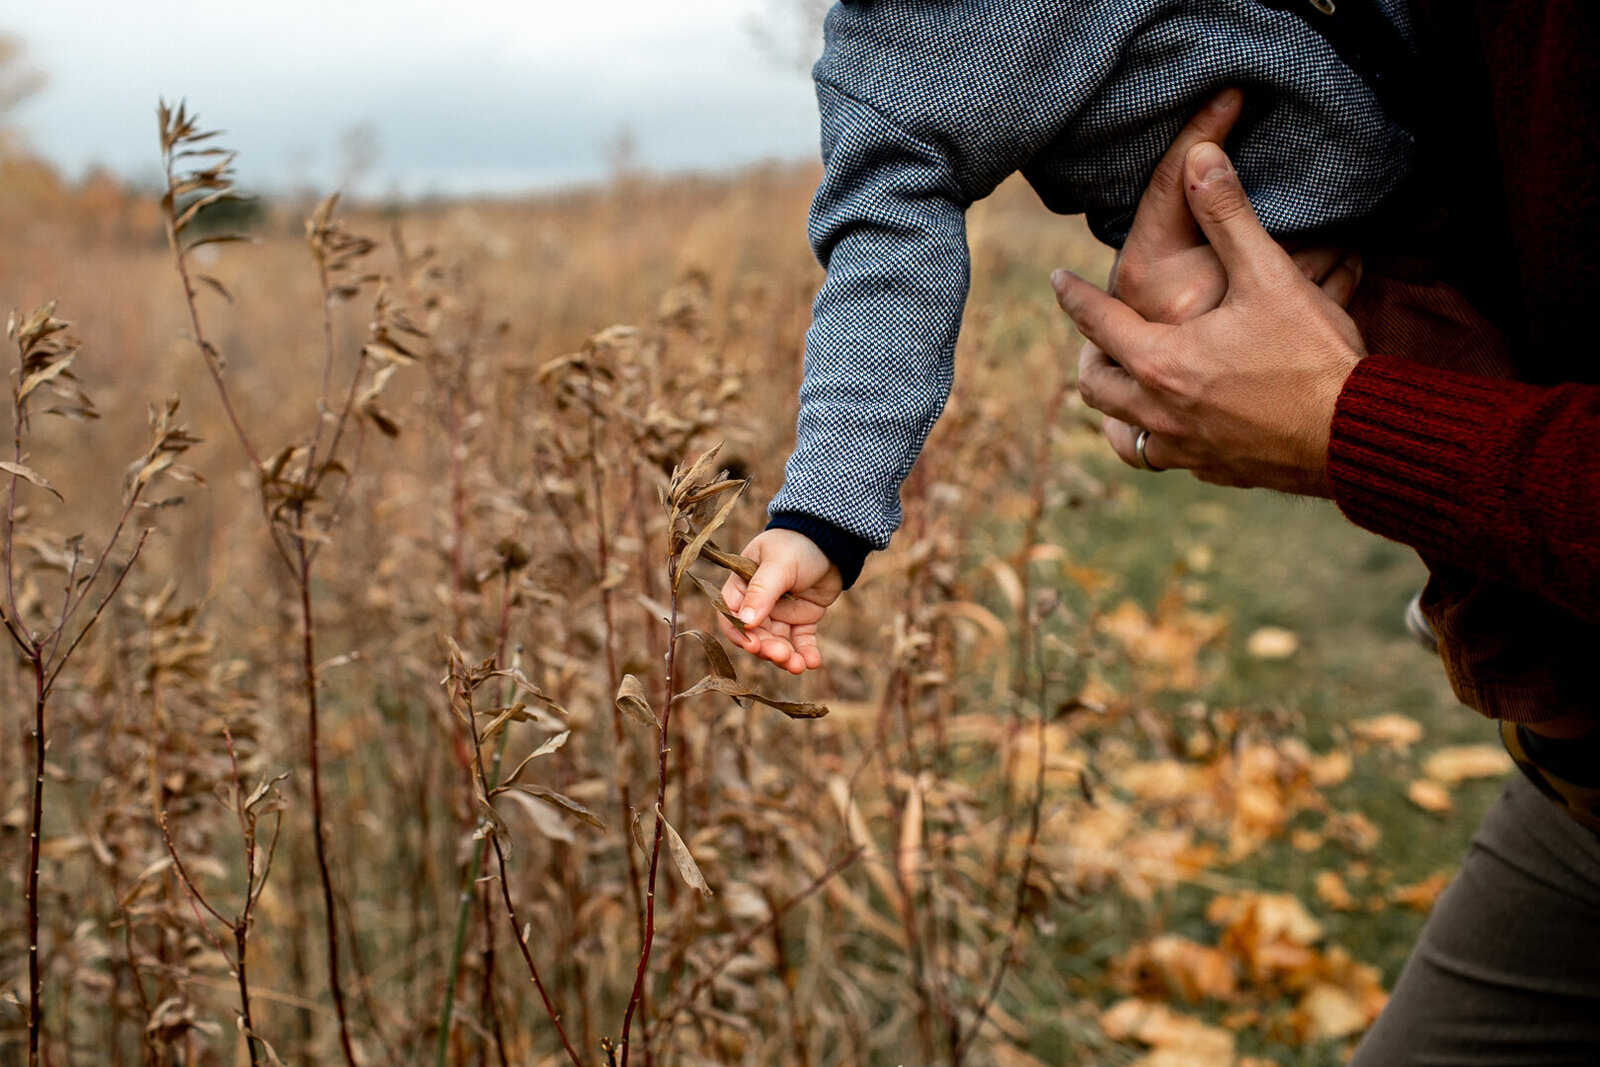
[1407,441]
[846,551]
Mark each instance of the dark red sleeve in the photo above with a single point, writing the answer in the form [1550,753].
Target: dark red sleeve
[1498,477]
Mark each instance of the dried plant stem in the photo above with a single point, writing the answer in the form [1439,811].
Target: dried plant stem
[46,660]
[1030,532]
[475,865]
[660,831]
[62,657]
[1028,655]
[897,701]
[35,979]
[318,829]
[488,1002]
[527,955]
[607,608]
[208,351]
[1027,643]
[505,886]
[1019,908]
[253,886]
[289,486]
[241,942]
[239,926]
[30,647]
[745,940]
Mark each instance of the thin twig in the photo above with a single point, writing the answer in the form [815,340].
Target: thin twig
[475,866]
[1019,908]
[745,940]
[527,955]
[466,687]
[35,979]
[661,817]
[613,677]
[184,879]
[318,826]
[208,351]
[61,661]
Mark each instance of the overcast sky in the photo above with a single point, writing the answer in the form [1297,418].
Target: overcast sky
[470,96]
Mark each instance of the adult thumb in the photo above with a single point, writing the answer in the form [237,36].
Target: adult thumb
[1220,206]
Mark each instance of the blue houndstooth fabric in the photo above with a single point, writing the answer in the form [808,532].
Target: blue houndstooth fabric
[927,105]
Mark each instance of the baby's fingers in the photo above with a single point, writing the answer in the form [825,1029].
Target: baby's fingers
[733,594]
[804,640]
[771,580]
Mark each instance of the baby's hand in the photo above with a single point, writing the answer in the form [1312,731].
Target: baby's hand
[782,628]
[1166,270]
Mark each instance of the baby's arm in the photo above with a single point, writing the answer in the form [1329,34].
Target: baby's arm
[888,223]
[909,141]
[889,226]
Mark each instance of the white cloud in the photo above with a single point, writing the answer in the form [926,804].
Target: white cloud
[490,87]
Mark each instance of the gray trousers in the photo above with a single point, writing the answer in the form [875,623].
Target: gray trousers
[1507,970]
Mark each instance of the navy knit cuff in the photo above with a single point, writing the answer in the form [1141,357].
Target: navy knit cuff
[843,548]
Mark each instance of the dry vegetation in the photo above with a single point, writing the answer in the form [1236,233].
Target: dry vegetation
[404,738]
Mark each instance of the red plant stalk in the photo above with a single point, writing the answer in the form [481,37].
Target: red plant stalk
[35,979]
[44,676]
[318,830]
[613,677]
[527,955]
[661,815]
[505,886]
[709,974]
[179,132]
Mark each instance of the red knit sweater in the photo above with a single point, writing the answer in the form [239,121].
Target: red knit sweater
[1500,479]
[1495,477]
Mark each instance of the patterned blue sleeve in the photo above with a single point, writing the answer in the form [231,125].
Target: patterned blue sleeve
[889,225]
[927,106]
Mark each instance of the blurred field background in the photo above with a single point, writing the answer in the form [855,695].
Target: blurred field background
[1118,768]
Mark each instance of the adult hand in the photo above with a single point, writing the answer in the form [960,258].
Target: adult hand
[1242,394]
[1166,270]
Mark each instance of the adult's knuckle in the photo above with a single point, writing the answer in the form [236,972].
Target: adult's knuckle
[1180,304]
[1089,389]
[1171,430]
[1167,178]
[1162,374]
[1226,202]
[1133,273]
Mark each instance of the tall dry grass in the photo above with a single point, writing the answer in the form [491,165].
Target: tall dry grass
[406,738]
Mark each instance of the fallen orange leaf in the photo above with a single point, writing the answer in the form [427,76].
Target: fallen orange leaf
[1327,1012]
[1429,795]
[1332,768]
[1157,1025]
[1397,731]
[1450,766]
[1332,891]
[1173,966]
[1421,895]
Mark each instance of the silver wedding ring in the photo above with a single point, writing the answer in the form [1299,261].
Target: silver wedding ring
[1139,444]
